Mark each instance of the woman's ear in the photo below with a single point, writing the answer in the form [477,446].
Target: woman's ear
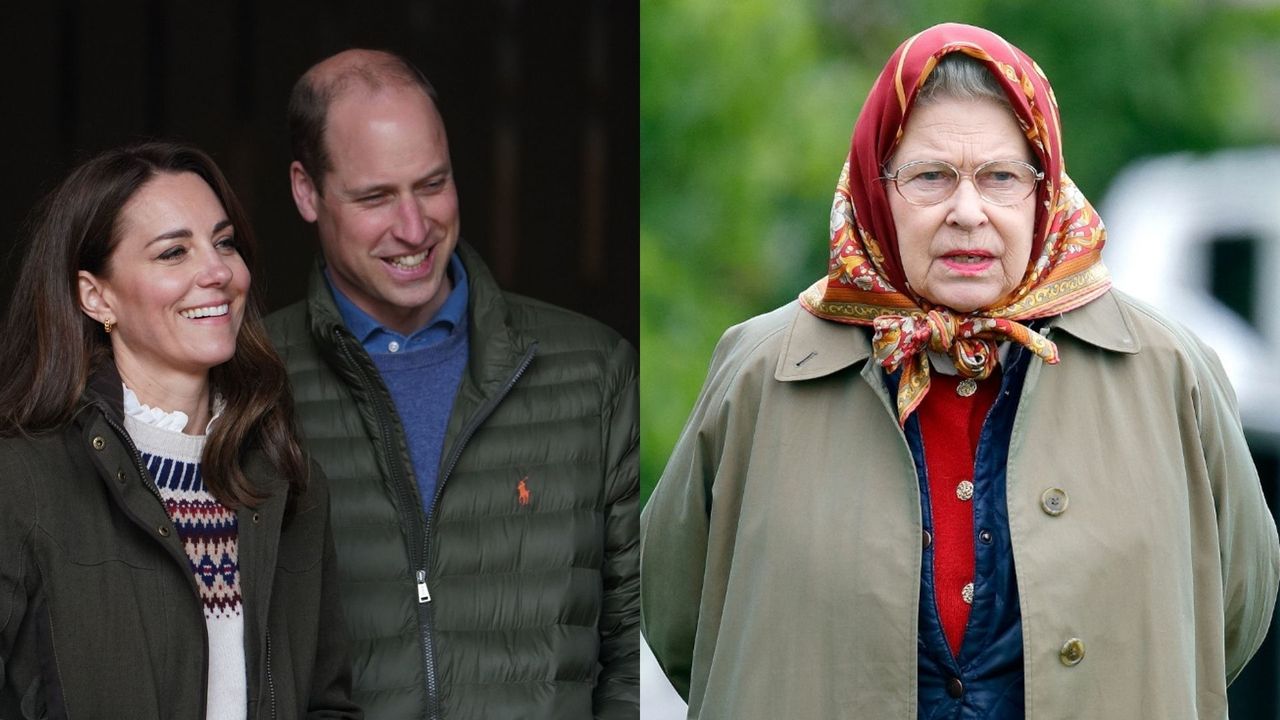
[93,300]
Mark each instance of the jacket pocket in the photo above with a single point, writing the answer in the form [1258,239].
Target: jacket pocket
[97,614]
[120,544]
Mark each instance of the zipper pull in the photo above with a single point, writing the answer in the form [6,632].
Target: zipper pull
[424,595]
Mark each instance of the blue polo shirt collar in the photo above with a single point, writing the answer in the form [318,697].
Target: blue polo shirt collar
[377,338]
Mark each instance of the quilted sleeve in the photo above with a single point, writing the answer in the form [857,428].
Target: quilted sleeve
[617,694]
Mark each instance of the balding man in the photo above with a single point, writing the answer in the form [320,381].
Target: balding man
[481,445]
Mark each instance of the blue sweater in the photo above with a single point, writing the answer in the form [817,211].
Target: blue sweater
[423,383]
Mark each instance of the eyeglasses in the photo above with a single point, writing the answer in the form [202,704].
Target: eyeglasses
[999,182]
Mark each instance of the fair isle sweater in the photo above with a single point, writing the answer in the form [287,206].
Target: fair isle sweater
[209,535]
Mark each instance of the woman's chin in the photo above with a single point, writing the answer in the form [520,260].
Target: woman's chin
[965,299]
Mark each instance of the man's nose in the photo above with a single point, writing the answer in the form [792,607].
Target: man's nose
[411,223]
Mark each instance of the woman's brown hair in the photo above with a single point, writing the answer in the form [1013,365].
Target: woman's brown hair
[52,347]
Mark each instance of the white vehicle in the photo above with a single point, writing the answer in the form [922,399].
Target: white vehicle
[1198,236]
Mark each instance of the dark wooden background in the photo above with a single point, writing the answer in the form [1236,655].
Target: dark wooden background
[540,101]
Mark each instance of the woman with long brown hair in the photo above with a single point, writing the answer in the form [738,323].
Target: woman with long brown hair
[166,551]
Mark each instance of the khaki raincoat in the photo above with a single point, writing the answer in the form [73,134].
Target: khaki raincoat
[781,551]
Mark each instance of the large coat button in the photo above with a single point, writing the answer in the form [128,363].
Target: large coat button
[1072,652]
[1054,501]
[955,688]
[926,539]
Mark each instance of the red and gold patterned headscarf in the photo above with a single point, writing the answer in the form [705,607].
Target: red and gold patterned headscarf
[865,284]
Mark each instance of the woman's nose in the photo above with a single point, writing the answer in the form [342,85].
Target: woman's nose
[215,272]
[968,209]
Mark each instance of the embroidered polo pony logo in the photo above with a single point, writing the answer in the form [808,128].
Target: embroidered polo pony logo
[522,491]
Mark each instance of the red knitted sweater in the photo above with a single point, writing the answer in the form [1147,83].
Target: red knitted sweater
[950,426]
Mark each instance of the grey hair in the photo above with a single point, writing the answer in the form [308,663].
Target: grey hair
[958,76]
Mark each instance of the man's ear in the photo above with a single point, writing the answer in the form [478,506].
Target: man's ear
[305,195]
[93,299]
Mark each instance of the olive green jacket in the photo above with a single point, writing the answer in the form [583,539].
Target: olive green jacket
[781,550]
[99,612]
[529,600]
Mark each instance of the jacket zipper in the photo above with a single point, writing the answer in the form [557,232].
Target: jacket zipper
[407,498]
[408,501]
[420,562]
[150,484]
[424,595]
[147,480]
[271,683]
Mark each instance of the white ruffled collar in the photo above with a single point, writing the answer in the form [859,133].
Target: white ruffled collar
[175,421]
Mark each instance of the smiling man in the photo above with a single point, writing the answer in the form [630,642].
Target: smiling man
[482,446]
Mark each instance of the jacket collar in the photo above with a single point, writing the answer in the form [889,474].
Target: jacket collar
[105,390]
[321,308]
[1103,323]
[495,346]
[815,348]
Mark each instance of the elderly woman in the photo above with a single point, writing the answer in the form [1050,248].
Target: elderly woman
[166,553]
[962,477]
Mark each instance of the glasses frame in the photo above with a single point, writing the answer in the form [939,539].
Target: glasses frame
[961,175]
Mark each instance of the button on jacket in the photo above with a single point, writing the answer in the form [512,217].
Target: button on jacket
[99,612]
[781,551]
[519,597]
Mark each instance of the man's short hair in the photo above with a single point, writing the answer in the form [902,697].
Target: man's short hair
[316,90]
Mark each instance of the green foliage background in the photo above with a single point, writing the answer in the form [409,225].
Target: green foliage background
[746,110]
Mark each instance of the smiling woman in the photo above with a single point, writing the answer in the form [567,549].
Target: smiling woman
[156,501]
[174,291]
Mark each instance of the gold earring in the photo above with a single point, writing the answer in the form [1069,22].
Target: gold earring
[108,325]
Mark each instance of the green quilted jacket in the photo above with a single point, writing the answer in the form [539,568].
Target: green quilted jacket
[519,597]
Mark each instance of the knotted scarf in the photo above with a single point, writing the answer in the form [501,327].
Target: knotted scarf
[865,284]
